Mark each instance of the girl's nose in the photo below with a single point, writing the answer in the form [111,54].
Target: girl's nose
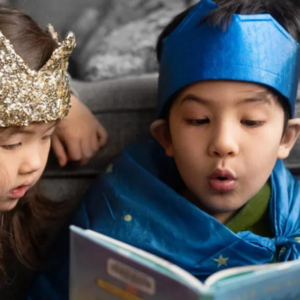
[31,163]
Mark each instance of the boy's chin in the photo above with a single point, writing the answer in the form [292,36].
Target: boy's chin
[225,207]
[223,211]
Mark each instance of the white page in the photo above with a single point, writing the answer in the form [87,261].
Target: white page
[185,277]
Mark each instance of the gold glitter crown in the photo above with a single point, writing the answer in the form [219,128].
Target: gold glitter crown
[28,96]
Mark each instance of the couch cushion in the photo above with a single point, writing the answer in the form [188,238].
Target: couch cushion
[126,107]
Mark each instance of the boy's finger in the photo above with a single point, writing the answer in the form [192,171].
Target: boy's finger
[59,151]
[74,150]
[94,142]
[87,151]
[102,136]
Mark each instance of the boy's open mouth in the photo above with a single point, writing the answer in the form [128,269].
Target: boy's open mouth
[222,181]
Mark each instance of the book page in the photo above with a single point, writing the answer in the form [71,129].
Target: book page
[244,270]
[156,262]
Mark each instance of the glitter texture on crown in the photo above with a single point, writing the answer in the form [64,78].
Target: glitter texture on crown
[28,96]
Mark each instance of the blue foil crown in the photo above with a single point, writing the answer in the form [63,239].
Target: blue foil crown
[254,48]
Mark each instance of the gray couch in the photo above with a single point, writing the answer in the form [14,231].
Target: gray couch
[126,108]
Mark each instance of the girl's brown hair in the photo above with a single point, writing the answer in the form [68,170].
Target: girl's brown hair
[24,230]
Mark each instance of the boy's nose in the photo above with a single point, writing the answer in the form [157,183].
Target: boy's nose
[223,142]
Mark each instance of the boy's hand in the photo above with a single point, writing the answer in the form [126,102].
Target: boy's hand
[79,136]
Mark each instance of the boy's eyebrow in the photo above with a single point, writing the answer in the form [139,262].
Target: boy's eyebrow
[191,97]
[262,97]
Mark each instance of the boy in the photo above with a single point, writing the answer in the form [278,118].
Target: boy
[214,195]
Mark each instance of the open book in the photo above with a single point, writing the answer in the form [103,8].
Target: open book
[106,269]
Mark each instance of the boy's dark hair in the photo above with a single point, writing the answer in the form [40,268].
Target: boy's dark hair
[24,231]
[285,12]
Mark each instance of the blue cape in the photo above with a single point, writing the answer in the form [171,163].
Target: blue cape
[135,201]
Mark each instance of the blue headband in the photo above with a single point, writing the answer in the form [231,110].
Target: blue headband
[255,48]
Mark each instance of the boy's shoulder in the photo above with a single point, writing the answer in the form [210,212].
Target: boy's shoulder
[283,178]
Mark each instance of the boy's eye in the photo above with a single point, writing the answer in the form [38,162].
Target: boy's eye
[198,122]
[252,123]
[11,147]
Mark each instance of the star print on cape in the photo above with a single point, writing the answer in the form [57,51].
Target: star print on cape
[221,261]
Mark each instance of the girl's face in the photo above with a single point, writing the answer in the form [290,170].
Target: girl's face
[23,156]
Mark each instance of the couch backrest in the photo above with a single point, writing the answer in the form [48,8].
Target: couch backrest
[126,107]
[56,12]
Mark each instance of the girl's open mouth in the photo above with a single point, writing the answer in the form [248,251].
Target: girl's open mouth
[19,192]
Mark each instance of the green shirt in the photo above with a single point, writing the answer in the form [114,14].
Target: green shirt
[254,215]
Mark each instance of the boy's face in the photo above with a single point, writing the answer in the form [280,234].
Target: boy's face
[23,156]
[225,138]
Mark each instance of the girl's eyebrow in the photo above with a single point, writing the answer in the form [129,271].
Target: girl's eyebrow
[25,130]
[53,125]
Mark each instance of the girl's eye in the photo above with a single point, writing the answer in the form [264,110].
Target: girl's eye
[252,123]
[11,147]
[198,122]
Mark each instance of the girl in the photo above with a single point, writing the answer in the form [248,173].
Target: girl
[34,96]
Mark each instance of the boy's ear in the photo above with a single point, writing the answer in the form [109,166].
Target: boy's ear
[289,138]
[160,131]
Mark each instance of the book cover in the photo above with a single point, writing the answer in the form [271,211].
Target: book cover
[106,269]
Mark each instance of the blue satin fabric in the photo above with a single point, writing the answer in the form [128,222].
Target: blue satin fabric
[142,183]
[255,48]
